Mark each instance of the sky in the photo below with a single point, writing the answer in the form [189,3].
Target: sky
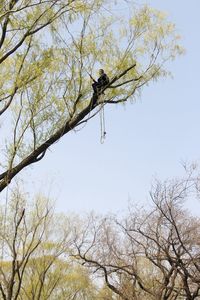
[150,138]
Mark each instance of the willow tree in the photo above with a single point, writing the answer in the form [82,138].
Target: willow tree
[35,253]
[47,49]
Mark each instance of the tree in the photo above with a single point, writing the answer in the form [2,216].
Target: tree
[35,254]
[151,254]
[47,49]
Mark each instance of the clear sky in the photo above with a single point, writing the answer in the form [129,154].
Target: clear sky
[144,140]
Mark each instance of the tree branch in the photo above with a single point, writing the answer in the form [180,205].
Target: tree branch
[34,156]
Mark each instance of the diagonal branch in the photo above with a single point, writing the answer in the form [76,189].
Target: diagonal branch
[38,154]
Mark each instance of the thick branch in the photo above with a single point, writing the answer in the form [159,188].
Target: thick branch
[35,155]
[39,153]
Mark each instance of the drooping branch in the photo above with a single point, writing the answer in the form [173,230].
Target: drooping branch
[39,153]
[5,24]
[33,29]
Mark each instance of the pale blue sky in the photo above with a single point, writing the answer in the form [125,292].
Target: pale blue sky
[147,139]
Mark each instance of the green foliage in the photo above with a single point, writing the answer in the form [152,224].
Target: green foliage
[34,248]
[47,50]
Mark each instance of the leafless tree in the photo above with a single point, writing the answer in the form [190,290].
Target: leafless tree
[153,253]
